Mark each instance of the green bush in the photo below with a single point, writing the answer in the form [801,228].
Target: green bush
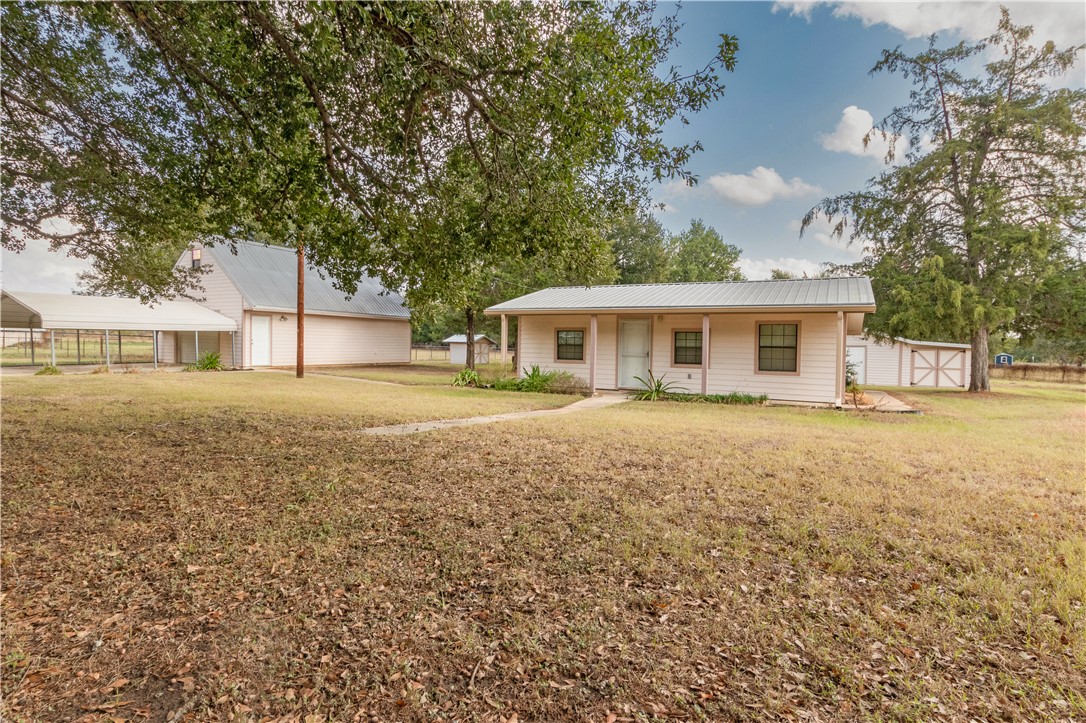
[536,380]
[47,371]
[466,378]
[210,361]
[655,388]
[739,398]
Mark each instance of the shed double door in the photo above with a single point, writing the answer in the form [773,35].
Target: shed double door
[938,368]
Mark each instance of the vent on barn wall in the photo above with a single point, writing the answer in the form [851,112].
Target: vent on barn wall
[197,256]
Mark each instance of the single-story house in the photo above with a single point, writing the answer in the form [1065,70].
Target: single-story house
[257,287]
[781,338]
[458,348]
[909,363]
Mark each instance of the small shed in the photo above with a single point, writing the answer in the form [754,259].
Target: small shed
[458,348]
[1004,360]
[909,363]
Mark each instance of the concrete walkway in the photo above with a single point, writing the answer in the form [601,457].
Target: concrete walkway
[883,402]
[601,400]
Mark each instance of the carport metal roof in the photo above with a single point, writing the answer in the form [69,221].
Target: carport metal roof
[35,310]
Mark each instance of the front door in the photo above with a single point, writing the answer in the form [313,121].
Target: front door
[260,341]
[633,352]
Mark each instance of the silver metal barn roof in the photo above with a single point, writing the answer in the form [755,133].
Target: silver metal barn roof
[843,294]
[266,278]
[35,310]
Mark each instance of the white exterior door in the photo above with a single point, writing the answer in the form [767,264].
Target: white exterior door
[924,368]
[633,352]
[857,356]
[260,341]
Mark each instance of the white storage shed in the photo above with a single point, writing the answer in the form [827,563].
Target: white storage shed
[910,363]
[458,348]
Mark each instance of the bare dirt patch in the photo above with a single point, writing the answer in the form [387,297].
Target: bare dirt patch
[246,556]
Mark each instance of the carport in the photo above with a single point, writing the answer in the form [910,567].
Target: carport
[34,310]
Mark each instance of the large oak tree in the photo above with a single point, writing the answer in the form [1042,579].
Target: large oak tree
[408,140]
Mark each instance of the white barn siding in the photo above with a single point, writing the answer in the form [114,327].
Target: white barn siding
[167,347]
[732,352]
[219,294]
[339,340]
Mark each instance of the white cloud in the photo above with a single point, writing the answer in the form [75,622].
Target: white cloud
[36,268]
[757,269]
[821,231]
[848,136]
[1064,23]
[758,187]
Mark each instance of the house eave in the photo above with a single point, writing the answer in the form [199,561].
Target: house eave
[789,309]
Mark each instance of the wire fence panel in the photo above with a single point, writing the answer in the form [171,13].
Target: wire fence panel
[20,347]
[429,352]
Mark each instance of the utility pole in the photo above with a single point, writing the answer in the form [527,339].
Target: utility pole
[300,364]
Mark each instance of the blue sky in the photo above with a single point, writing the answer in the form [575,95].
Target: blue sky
[787,131]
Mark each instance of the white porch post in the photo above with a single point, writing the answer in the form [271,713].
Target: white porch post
[505,339]
[53,347]
[107,348]
[197,346]
[154,347]
[839,384]
[592,359]
[704,353]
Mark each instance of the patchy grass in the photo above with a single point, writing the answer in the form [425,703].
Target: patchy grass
[425,373]
[233,554]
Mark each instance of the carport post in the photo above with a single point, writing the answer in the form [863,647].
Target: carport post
[107,348]
[154,347]
[32,345]
[78,349]
[52,347]
[197,345]
[233,351]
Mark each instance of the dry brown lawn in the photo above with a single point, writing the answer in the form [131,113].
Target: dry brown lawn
[188,549]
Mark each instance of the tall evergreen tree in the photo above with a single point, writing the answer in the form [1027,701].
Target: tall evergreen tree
[963,234]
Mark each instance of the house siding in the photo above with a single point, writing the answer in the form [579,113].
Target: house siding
[732,352]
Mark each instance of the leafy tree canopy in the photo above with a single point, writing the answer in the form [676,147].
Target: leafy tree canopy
[700,254]
[409,140]
[990,201]
[646,254]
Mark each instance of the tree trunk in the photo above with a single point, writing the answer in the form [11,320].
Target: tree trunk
[978,377]
[470,313]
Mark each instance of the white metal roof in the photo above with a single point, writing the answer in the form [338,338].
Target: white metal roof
[940,344]
[30,309]
[463,339]
[266,276]
[852,294]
